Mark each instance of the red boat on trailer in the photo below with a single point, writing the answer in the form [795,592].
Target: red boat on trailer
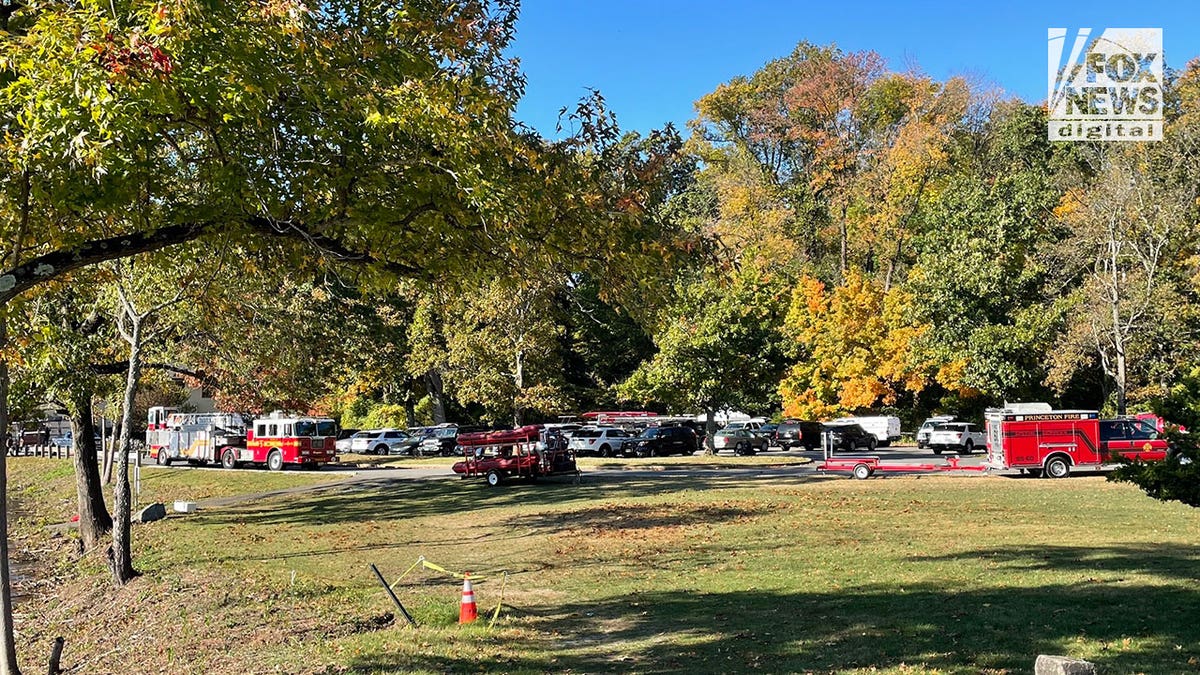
[517,453]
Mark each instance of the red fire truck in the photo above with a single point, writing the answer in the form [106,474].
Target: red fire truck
[278,439]
[1036,439]
[197,438]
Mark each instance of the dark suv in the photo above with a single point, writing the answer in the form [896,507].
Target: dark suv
[664,441]
[848,437]
[796,434]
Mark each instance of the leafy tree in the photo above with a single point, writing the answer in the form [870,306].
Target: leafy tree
[1127,230]
[718,349]
[853,347]
[502,348]
[1175,479]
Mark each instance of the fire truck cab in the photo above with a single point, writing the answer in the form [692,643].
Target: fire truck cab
[278,439]
[1036,439]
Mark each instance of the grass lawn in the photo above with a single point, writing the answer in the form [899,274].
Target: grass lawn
[628,574]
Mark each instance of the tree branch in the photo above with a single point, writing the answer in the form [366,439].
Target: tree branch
[56,263]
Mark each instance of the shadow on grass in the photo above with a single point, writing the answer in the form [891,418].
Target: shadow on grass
[1132,628]
[384,498]
[395,499]
[1171,561]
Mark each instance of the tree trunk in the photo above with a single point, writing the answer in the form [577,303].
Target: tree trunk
[109,452]
[94,520]
[410,406]
[120,554]
[8,656]
[844,232]
[519,382]
[433,385]
[710,428]
[1118,336]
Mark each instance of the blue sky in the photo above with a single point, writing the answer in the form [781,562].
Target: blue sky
[652,59]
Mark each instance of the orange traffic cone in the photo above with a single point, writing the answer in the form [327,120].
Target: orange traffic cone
[467,611]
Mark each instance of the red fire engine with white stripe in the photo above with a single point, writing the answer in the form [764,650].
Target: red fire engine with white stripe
[1035,439]
[276,440]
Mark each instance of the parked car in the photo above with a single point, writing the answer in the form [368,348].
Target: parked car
[741,441]
[885,428]
[604,441]
[440,440]
[656,441]
[751,424]
[927,427]
[342,444]
[961,437]
[767,431]
[409,444]
[372,441]
[849,436]
[799,434]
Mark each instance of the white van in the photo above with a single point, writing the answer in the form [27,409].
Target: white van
[884,428]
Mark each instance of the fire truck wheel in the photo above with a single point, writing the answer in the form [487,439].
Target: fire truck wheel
[163,460]
[493,478]
[862,471]
[1057,467]
[229,459]
[275,461]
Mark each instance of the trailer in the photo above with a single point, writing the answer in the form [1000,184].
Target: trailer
[863,467]
[518,453]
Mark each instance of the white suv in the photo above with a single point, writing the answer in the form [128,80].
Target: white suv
[375,441]
[605,441]
[961,437]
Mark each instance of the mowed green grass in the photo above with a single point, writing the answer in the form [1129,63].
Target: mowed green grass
[780,574]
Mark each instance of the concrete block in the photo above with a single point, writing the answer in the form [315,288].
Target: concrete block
[1061,665]
[185,507]
[151,513]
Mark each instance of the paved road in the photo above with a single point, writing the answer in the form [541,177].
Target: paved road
[370,477]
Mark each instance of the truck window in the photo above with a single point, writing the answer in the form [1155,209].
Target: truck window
[287,430]
[273,430]
[1145,430]
[1111,430]
[261,430]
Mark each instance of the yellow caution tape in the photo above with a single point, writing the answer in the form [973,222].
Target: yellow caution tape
[496,614]
[456,575]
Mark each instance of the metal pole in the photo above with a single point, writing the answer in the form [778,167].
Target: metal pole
[392,595]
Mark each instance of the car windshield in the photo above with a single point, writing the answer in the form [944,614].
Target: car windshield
[326,428]
[649,433]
